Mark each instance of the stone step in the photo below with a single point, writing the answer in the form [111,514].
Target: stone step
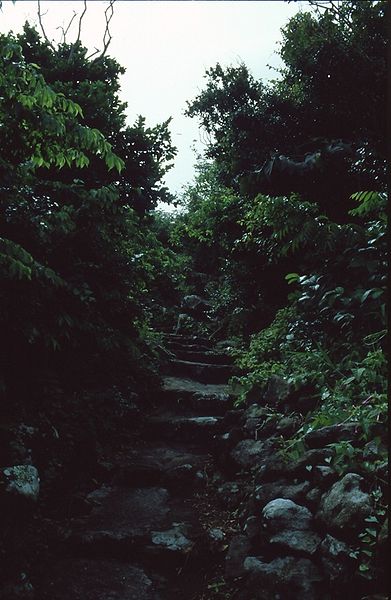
[174,346]
[188,339]
[191,396]
[169,426]
[144,524]
[95,579]
[202,356]
[173,467]
[203,372]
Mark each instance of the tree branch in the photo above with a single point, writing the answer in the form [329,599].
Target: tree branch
[78,32]
[80,20]
[107,37]
[65,31]
[42,27]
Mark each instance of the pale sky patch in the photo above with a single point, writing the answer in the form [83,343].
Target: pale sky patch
[166,46]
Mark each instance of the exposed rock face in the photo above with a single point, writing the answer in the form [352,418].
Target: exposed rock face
[345,506]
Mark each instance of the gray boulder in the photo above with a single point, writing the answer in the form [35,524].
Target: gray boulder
[173,540]
[282,514]
[345,506]
[249,453]
[304,542]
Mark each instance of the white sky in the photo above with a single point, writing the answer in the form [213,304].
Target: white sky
[166,46]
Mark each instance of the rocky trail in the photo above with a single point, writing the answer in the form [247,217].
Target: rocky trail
[153,531]
[199,503]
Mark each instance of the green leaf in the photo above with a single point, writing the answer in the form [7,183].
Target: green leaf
[292,278]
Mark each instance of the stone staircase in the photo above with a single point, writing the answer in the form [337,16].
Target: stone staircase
[145,537]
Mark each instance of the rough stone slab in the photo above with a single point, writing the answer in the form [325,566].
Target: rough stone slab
[182,385]
[205,356]
[94,579]
[160,465]
[188,339]
[123,516]
[206,373]
[189,395]
[173,427]
[305,542]
[276,467]
[175,347]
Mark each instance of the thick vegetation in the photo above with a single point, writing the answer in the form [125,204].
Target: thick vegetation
[77,186]
[282,232]
[288,214]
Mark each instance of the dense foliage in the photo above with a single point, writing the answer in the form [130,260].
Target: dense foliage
[282,232]
[287,214]
[78,252]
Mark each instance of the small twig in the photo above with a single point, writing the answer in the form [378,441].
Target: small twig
[93,54]
[65,31]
